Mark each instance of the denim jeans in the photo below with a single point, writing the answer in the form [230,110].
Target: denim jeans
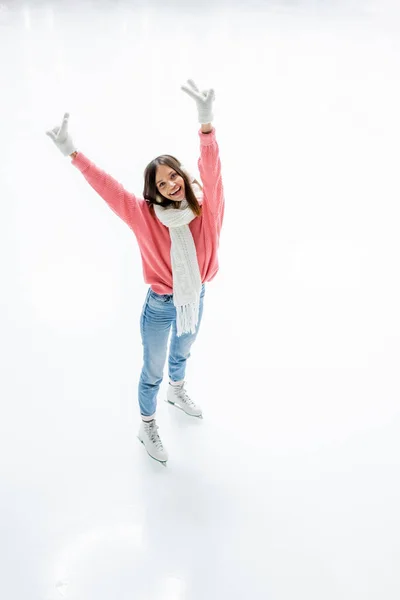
[158,315]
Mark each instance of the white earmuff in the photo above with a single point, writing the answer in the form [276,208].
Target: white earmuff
[187,173]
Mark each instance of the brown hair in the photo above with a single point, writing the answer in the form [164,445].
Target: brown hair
[151,193]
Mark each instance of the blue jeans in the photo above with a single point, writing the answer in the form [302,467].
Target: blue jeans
[158,315]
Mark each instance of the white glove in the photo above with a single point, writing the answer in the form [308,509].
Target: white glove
[61,137]
[204,100]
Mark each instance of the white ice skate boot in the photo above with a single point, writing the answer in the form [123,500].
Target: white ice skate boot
[149,437]
[177,396]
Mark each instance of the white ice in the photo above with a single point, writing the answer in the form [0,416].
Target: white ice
[289,488]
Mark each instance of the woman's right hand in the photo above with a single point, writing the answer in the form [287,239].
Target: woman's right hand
[61,137]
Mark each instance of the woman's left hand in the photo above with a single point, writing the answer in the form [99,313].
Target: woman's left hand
[204,101]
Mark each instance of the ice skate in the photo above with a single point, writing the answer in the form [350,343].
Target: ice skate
[148,435]
[178,396]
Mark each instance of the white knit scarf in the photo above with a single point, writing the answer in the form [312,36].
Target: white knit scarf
[185,268]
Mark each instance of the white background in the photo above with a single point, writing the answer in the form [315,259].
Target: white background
[289,488]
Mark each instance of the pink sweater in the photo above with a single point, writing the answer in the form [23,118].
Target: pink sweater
[152,236]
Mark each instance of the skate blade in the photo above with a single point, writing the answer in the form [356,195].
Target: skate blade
[161,462]
[184,411]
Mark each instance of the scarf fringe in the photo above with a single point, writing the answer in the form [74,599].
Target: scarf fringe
[187,318]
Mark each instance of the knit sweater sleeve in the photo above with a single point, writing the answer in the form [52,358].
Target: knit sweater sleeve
[123,203]
[210,172]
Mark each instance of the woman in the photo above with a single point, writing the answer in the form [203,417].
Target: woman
[177,226]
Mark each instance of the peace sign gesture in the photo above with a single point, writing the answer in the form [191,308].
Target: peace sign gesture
[204,100]
[61,137]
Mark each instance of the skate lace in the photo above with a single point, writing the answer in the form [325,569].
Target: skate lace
[151,430]
[184,397]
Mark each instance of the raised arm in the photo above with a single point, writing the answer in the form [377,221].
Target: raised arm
[120,201]
[123,203]
[210,172]
[209,161]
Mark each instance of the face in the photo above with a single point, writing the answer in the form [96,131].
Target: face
[169,183]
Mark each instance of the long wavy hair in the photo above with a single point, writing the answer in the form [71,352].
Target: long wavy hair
[151,193]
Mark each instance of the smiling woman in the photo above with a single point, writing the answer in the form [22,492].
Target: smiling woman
[173,187]
[167,183]
[179,251]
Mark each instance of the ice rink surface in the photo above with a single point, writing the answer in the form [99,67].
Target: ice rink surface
[289,487]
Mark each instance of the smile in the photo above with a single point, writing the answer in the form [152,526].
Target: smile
[176,192]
